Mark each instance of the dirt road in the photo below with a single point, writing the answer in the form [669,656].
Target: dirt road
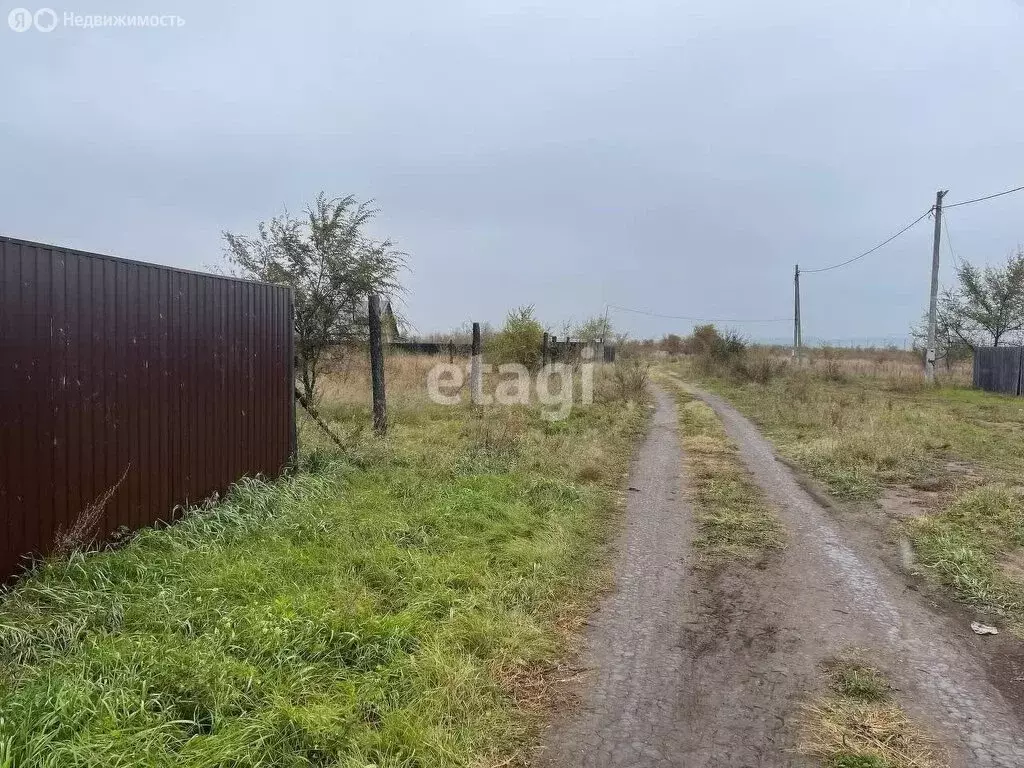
[700,669]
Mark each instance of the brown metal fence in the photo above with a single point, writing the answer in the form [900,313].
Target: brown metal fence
[178,382]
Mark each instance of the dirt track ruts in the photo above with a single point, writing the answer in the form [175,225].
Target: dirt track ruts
[708,668]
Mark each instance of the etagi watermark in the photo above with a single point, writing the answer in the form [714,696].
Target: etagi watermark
[47,20]
[555,385]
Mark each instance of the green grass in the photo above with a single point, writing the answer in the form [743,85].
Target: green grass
[857,761]
[852,680]
[735,521]
[396,608]
[859,435]
[965,547]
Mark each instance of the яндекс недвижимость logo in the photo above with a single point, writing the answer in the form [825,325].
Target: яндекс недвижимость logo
[22,19]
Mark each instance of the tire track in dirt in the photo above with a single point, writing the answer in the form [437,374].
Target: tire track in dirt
[683,667]
[847,596]
[629,698]
[701,669]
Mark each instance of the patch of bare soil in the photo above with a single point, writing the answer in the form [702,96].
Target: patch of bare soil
[902,502]
[1012,565]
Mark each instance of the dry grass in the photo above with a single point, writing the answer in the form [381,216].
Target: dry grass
[81,535]
[736,522]
[852,734]
[347,382]
[896,373]
[630,379]
[895,369]
[859,434]
[859,725]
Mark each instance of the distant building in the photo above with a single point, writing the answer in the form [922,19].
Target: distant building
[389,325]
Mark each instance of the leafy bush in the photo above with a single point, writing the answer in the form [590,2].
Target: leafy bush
[718,354]
[519,341]
[702,340]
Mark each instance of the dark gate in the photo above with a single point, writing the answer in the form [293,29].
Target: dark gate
[158,386]
[998,369]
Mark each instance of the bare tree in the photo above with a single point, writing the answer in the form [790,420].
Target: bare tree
[331,266]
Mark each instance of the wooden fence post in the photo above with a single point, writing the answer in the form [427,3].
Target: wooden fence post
[380,414]
[544,350]
[451,351]
[476,373]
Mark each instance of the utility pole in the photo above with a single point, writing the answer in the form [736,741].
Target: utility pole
[797,336]
[929,356]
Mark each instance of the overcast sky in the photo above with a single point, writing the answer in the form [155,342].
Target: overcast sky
[677,157]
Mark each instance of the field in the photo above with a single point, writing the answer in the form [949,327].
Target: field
[402,603]
[942,464]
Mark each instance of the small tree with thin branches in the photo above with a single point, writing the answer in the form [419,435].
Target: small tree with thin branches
[331,265]
[597,328]
[986,306]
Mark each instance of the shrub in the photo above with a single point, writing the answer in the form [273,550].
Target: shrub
[717,354]
[672,344]
[631,380]
[702,340]
[519,341]
[761,368]
[626,383]
[832,369]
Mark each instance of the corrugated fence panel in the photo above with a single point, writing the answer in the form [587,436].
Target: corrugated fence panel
[998,369]
[158,386]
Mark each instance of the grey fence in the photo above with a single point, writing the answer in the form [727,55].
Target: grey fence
[998,369]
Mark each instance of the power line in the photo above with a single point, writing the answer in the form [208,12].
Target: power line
[910,225]
[983,199]
[949,242]
[698,319]
[872,250]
